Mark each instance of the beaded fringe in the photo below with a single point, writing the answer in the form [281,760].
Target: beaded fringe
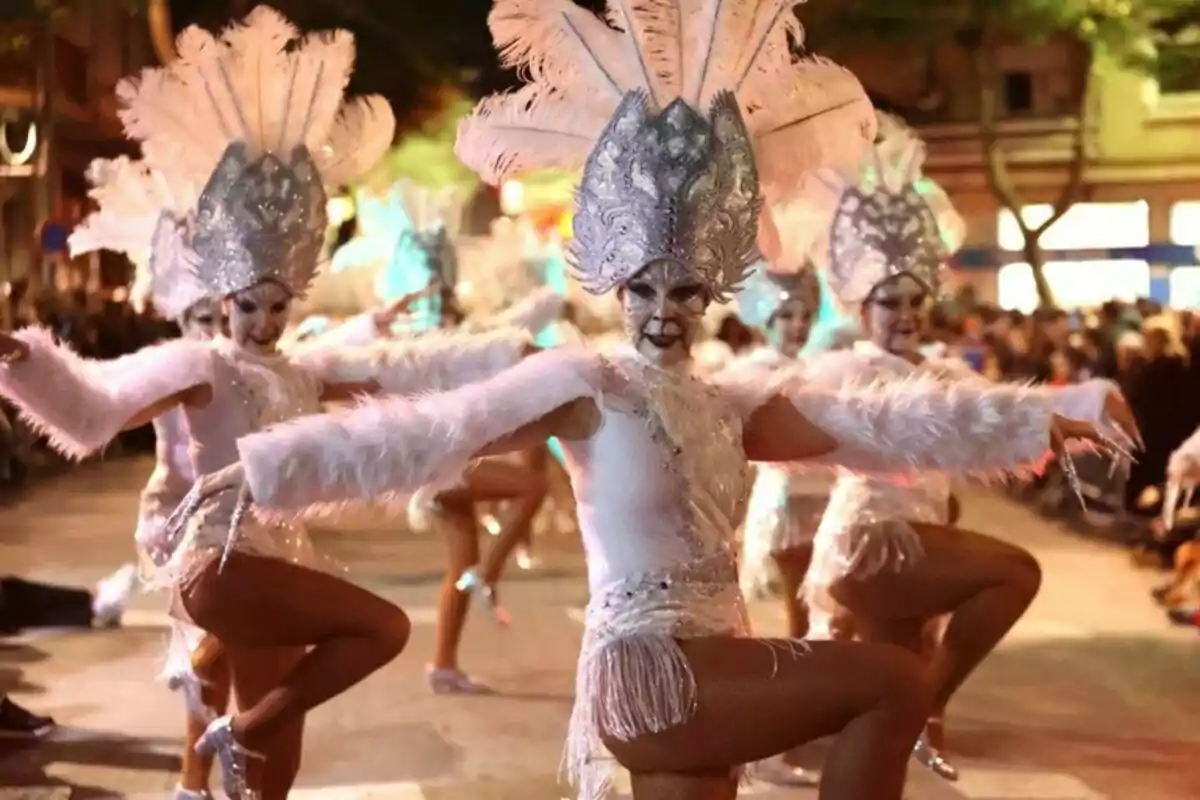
[628,687]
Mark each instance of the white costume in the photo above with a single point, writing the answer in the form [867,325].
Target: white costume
[660,484]
[888,222]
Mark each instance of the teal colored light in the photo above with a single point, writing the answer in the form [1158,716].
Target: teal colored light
[385,240]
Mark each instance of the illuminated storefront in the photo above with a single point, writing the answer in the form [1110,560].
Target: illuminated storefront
[1086,281]
[1185,230]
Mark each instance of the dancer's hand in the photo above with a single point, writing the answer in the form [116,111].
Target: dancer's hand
[12,349]
[1118,414]
[1064,430]
[230,479]
[384,317]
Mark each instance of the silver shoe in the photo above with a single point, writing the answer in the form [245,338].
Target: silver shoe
[454,681]
[928,757]
[218,742]
[190,794]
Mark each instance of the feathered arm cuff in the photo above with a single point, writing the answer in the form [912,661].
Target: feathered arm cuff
[916,423]
[386,449]
[925,424]
[358,331]
[431,363]
[1086,401]
[80,405]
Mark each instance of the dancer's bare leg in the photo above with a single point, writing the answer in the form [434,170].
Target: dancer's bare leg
[518,527]
[984,584]
[256,602]
[759,697]
[256,671]
[211,666]
[457,515]
[792,565]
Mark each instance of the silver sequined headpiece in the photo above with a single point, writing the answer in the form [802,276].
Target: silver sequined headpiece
[681,120]
[258,116]
[765,291]
[261,219]
[891,221]
[668,186]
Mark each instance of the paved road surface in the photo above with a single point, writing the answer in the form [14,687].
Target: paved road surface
[1093,698]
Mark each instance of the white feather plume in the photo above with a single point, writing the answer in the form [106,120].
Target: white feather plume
[260,83]
[131,198]
[501,268]
[802,114]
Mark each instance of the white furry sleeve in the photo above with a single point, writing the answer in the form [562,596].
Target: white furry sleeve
[80,404]
[386,449]
[430,363]
[910,423]
[1085,401]
[358,331]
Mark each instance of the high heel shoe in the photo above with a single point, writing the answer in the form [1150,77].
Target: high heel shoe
[231,756]
[472,582]
[930,758]
[191,794]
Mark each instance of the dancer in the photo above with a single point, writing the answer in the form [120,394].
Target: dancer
[669,680]
[266,151]
[143,214]
[887,561]
[519,480]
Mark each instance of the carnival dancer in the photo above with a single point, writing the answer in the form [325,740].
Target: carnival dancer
[887,561]
[258,116]
[519,479]
[145,214]
[667,216]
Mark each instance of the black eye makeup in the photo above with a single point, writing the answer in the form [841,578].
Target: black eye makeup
[247,306]
[643,290]
[279,308]
[686,293]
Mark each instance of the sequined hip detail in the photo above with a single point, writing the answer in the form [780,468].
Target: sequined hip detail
[633,678]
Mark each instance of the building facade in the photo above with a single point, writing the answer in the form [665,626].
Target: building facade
[1136,226]
[46,145]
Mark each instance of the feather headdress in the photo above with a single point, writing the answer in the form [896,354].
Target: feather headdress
[888,219]
[144,214]
[258,116]
[683,113]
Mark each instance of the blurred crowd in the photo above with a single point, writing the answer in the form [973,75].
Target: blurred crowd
[93,328]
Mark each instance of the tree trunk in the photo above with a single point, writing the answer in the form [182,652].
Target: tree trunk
[996,166]
[1036,259]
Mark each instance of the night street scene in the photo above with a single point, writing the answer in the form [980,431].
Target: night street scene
[652,399]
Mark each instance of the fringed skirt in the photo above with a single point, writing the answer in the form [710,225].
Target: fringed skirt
[866,530]
[633,678]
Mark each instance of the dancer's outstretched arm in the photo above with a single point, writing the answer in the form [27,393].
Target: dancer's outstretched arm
[916,423]
[81,404]
[430,363]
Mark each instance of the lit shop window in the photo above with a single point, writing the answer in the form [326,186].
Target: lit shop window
[1185,229]
[1076,284]
[1185,287]
[1185,222]
[1085,225]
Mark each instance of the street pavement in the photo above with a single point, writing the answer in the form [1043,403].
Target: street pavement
[1094,697]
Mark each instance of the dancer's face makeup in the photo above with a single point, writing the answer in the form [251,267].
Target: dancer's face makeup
[202,320]
[790,326]
[895,314]
[258,316]
[663,307]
